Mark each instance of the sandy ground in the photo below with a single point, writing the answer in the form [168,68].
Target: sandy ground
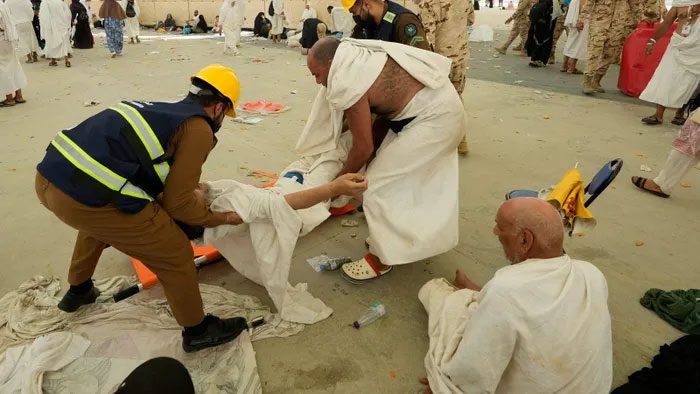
[526,128]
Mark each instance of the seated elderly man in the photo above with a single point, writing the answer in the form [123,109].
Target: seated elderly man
[408,148]
[541,325]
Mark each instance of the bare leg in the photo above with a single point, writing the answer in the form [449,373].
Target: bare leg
[660,109]
[67,61]
[18,96]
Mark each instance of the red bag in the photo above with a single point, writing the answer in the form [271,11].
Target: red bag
[637,68]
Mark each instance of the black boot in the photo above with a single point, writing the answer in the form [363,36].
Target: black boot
[213,331]
[72,301]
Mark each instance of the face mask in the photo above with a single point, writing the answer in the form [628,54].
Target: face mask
[219,121]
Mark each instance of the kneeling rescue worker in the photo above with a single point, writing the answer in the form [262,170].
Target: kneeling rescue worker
[125,176]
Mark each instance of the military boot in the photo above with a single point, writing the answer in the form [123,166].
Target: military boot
[595,83]
[587,87]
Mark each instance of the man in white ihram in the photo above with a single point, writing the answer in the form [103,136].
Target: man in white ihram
[409,149]
[231,17]
[678,74]
[540,325]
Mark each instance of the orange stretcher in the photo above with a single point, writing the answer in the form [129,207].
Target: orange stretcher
[203,255]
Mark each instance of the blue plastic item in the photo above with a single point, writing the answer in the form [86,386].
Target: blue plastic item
[296,175]
[598,184]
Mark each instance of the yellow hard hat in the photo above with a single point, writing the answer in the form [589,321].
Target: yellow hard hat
[348,4]
[224,80]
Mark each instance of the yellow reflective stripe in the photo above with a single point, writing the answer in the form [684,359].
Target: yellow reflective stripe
[146,135]
[95,169]
[162,169]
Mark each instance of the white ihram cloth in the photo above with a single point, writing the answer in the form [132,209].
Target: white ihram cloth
[231,20]
[261,248]
[307,14]
[55,19]
[411,202]
[22,368]
[22,15]
[577,41]
[133,29]
[678,73]
[12,76]
[342,21]
[540,326]
[277,19]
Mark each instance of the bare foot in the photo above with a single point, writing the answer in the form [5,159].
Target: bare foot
[461,280]
[424,381]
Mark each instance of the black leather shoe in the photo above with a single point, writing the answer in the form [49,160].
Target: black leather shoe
[217,332]
[72,301]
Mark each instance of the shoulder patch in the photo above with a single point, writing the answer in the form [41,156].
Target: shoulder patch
[410,30]
[389,17]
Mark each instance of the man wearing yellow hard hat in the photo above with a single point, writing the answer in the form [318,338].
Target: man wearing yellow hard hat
[128,177]
[124,176]
[386,21]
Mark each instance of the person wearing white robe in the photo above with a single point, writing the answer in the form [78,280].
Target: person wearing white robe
[55,18]
[540,325]
[341,20]
[577,38]
[133,29]
[12,78]
[411,204]
[308,13]
[231,17]
[678,73]
[22,15]
[277,20]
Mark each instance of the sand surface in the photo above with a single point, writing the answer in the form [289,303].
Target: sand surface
[526,128]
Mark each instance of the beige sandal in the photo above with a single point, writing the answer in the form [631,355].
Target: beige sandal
[363,270]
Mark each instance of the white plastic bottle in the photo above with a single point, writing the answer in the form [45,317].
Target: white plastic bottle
[374,312]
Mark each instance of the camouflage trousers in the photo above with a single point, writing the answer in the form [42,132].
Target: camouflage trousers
[604,48]
[519,29]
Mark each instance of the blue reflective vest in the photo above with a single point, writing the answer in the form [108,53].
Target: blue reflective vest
[385,30]
[117,155]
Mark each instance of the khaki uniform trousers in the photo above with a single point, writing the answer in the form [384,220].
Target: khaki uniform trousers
[150,236]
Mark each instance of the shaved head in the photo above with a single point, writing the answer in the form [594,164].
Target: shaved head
[320,58]
[324,49]
[529,228]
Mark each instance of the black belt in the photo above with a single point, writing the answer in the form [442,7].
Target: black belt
[397,125]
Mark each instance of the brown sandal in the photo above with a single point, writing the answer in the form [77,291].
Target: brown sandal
[641,183]
[651,120]
[7,103]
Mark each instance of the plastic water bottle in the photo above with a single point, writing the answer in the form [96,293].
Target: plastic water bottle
[374,312]
[333,264]
[324,263]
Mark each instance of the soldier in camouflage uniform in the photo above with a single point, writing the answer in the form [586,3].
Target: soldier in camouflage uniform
[611,22]
[521,25]
[446,28]
[558,29]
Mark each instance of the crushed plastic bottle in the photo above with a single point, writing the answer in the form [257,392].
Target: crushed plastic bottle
[324,263]
[374,312]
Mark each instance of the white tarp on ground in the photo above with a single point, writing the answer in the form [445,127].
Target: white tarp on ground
[123,335]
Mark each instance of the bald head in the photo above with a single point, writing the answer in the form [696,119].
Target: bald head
[529,228]
[320,58]
[324,49]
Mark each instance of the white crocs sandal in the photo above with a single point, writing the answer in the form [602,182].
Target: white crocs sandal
[363,270]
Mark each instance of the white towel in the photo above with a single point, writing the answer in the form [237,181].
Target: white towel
[261,248]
